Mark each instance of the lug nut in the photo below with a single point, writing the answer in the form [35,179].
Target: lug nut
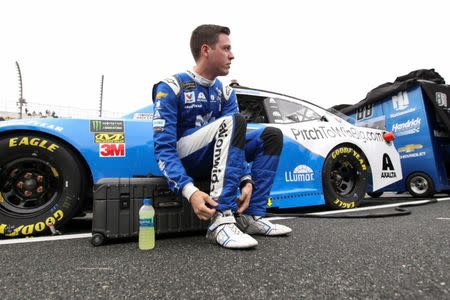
[39,178]
[19,185]
[28,175]
[27,193]
[40,189]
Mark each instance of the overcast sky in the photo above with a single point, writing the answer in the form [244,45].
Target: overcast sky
[328,52]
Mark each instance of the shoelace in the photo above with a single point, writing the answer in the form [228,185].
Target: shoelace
[235,229]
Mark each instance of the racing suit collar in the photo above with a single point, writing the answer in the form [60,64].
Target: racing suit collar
[199,79]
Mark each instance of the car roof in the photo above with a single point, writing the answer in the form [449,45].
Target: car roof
[243,90]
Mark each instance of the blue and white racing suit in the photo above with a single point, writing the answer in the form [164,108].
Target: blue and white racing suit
[199,133]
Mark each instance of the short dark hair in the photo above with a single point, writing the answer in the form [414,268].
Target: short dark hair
[206,34]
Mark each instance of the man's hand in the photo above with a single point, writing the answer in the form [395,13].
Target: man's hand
[198,201]
[244,200]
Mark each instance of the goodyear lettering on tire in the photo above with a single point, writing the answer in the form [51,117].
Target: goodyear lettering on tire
[347,150]
[32,228]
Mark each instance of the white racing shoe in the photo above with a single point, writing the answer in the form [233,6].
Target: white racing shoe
[224,232]
[261,226]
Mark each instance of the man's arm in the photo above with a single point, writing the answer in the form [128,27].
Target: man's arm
[165,118]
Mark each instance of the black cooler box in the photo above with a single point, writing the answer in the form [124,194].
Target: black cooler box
[117,202]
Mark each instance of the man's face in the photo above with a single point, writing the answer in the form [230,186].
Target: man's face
[220,56]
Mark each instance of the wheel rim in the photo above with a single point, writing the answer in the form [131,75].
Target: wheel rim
[29,185]
[343,177]
[418,185]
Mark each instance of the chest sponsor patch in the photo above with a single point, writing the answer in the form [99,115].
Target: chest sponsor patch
[189,97]
[201,97]
[190,85]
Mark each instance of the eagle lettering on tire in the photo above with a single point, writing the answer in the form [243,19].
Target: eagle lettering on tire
[344,177]
[40,184]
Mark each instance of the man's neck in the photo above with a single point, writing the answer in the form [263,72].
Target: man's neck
[204,72]
[200,78]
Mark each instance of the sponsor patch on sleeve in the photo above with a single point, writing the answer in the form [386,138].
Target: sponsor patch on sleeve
[160,95]
[158,125]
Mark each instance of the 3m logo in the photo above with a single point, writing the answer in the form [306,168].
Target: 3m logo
[112,150]
[101,138]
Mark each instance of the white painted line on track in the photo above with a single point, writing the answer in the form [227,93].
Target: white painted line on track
[46,238]
[442,218]
[88,235]
[335,212]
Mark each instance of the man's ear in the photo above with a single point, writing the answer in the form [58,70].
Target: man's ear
[204,50]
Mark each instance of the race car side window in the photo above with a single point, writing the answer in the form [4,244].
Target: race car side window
[252,108]
[283,112]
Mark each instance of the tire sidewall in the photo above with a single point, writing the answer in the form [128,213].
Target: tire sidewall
[67,202]
[359,162]
[428,193]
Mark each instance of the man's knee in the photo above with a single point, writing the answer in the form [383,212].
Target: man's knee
[240,127]
[272,141]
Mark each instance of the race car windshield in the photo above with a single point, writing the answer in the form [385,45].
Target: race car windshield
[341,115]
[283,112]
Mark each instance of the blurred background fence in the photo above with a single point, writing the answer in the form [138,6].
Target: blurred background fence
[10,110]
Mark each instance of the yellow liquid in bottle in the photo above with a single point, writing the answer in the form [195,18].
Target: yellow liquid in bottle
[146,228]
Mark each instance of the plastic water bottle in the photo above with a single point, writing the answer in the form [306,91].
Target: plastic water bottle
[146,226]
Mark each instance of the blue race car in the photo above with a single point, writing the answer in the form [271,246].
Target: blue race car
[48,166]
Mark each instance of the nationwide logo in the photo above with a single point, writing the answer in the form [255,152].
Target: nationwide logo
[410,148]
[189,97]
[301,173]
[103,137]
[409,127]
[216,173]
[403,112]
[400,101]
[388,168]
[106,126]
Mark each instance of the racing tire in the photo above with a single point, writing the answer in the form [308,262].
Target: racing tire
[41,184]
[344,177]
[375,194]
[420,185]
